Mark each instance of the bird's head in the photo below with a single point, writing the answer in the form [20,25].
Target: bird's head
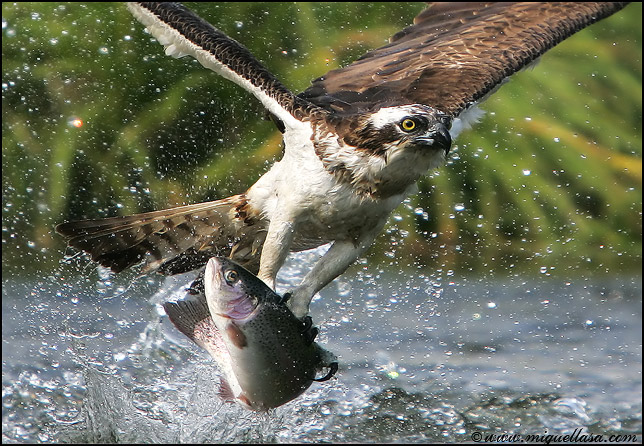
[384,152]
[390,129]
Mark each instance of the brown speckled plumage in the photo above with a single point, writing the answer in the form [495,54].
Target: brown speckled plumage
[170,241]
[453,55]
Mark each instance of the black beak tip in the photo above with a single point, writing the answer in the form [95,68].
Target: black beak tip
[443,138]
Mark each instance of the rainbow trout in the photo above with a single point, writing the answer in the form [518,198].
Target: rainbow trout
[267,356]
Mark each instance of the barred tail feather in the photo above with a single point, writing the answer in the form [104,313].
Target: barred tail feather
[169,241]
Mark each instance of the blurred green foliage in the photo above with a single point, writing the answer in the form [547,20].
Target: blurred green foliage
[550,177]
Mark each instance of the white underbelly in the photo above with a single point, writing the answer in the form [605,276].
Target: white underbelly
[322,209]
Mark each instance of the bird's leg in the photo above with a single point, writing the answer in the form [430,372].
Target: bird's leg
[275,249]
[333,263]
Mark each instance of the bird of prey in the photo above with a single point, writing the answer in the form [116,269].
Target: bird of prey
[355,142]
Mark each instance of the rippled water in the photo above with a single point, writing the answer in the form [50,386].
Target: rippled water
[87,360]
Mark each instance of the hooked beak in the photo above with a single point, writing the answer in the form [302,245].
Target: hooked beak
[438,138]
[442,137]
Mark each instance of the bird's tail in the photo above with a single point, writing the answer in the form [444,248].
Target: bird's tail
[172,241]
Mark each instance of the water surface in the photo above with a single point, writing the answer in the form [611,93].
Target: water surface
[421,359]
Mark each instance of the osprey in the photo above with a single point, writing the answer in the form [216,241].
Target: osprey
[355,141]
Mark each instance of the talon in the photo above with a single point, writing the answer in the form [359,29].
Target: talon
[333,368]
[310,335]
[309,331]
[307,322]
[285,298]
[197,286]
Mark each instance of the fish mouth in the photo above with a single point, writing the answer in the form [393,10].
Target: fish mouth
[239,309]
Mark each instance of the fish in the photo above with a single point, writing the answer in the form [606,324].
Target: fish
[267,356]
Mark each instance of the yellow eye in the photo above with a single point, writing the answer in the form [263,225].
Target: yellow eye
[231,276]
[408,124]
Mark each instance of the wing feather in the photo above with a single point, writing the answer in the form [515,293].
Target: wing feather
[454,55]
[183,33]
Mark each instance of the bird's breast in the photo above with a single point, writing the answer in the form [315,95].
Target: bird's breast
[322,206]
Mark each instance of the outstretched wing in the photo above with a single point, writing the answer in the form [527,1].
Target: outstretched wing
[453,55]
[184,33]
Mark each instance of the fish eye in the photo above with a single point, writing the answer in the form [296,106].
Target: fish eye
[408,124]
[231,276]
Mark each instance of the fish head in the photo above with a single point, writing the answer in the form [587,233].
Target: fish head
[232,292]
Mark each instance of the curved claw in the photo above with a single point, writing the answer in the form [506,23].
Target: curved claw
[285,298]
[197,286]
[309,331]
[333,368]
[308,323]
[310,335]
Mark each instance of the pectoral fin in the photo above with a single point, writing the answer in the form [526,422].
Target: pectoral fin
[192,318]
[235,335]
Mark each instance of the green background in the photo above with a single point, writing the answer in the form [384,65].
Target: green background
[548,181]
